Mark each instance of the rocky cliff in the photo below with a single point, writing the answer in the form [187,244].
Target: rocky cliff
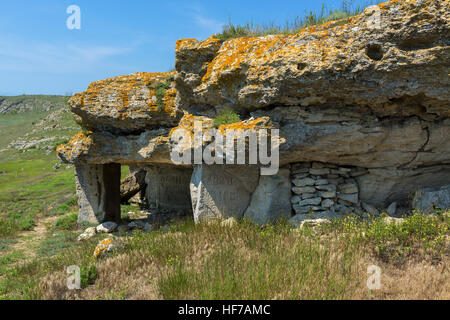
[362,105]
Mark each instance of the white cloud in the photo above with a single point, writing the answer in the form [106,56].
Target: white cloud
[22,56]
[201,19]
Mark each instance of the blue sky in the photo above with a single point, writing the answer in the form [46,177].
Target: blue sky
[40,55]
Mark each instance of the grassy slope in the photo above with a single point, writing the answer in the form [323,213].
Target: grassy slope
[31,189]
[244,261]
[29,184]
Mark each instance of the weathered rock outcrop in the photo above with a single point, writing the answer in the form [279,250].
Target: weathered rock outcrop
[392,60]
[132,185]
[362,107]
[128,104]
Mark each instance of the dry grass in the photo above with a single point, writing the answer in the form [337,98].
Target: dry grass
[210,261]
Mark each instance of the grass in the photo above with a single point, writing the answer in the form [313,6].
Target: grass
[348,9]
[226,116]
[160,91]
[245,261]
[30,186]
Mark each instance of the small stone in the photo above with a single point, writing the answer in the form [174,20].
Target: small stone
[106,227]
[370,209]
[85,236]
[327,194]
[90,230]
[123,229]
[353,198]
[301,209]
[303,182]
[392,209]
[300,170]
[148,227]
[336,181]
[358,173]
[389,220]
[132,225]
[296,199]
[332,176]
[320,182]
[327,203]
[308,195]
[343,170]
[348,188]
[301,175]
[312,201]
[319,172]
[300,190]
[326,187]
[318,165]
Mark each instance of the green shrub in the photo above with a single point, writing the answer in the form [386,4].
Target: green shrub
[67,222]
[87,275]
[226,116]
[15,222]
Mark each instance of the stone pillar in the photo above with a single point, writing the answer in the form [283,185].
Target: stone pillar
[98,192]
[222,191]
[168,188]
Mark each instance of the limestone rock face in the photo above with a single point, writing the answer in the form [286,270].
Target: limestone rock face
[392,59]
[221,192]
[132,184]
[362,107]
[271,200]
[98,192]
[426,199]
[128,104]
[168,187]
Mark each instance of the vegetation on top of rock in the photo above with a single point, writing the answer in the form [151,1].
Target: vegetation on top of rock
[226,116]
[160,90]
[313,18]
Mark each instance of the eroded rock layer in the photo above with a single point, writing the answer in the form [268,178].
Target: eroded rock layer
[362,107]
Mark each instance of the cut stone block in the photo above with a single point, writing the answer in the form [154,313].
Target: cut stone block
[308,195]
[327,194]
[426,199]
[98,192]
[370,209]
[270,201]
[221,192]
[327,203]
[304,182]
[326,187]
[311,201]
[319,172]
[320,182]
[352,198]
[301,190]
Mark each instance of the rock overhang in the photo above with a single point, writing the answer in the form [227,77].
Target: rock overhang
[128,104]
[342,94]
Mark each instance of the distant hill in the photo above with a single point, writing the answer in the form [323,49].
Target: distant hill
[20,104]
[32,125]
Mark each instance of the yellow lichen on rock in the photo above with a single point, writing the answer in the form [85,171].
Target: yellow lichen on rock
[128,103]
[78,144]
